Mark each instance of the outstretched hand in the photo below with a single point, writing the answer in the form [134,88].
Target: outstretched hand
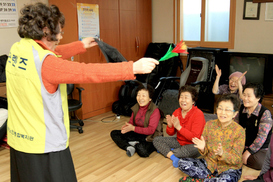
[144,65]
[89,42]
[199,143]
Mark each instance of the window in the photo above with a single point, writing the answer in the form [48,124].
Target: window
[206,23]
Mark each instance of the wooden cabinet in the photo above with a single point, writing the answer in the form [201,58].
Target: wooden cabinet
[135,28]
[268,102]
[125,25]
[144,26]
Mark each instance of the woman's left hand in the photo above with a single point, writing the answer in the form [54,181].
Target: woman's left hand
[219,151]
[127,127]
[176,123]
[250,177]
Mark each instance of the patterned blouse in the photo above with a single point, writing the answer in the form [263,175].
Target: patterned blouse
[224,89]
[264,127]
[232,139]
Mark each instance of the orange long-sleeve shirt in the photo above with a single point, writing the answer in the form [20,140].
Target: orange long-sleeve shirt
[57,70]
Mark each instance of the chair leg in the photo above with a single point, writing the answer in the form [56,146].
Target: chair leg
[79,128]
[76,120]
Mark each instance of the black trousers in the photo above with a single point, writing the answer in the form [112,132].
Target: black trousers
[143,148]
[48,167]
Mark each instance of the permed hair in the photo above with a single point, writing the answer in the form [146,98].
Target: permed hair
[35,17]
[232,98]
[191,90]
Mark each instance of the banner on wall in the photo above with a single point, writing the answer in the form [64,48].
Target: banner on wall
[88,20]
[8,13]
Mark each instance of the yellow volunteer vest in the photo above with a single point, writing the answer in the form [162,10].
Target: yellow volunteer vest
[38,122]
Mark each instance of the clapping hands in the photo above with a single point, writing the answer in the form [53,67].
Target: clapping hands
[173,121]
[219,150]
[127,127]
[201,143]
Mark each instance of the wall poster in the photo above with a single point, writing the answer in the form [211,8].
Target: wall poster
[88,20]
[8,13]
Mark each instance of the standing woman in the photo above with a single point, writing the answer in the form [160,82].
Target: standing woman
[187,122]
[257,122]
[145,124]
[37,72]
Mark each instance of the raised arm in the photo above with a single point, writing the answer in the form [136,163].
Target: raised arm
[215,87]
[240,86]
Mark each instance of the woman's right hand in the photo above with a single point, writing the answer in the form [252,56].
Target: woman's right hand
[218,71]
[199,143]
[89,42]
[169,121]
[144,65]
[245,156]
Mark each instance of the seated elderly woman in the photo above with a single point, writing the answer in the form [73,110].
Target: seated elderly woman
[145,124]
[257,122]
[187,122]
[236,81]
[221,145]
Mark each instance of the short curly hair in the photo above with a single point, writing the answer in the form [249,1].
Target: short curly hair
[35,17]
[232,98]
[192,90]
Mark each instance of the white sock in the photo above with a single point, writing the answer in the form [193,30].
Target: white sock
[130,151]
[133,143]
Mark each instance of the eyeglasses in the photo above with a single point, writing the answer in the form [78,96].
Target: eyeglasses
[219,109]
[234,81]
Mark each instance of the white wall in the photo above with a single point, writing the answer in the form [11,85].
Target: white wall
[250,35]
[9,35]
[162,21]
[253,35]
